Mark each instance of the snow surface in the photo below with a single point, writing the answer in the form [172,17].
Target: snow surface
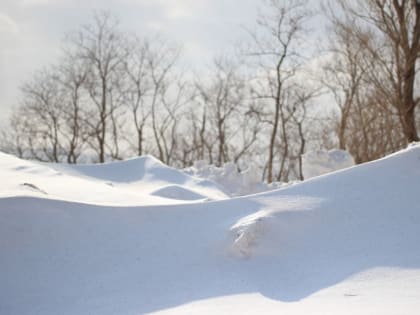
[231,180]
[343,243]
[177,192]
[132,182]
[316,163]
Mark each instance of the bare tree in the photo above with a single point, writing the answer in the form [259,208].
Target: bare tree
[274,48]
[222,98]
[103,79]
[112,93]
[299,118]
[14,140]
[137,88]
[167,97]
[41,109]
[72,76]
[198,144]
[345,71]
[100,44]
[374,127]
[394,43]
[245,135]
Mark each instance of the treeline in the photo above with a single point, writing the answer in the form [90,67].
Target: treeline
[113,95]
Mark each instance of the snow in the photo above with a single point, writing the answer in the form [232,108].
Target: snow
[177,192]
[135,237]
[124,183]
[230,179]
[319,162]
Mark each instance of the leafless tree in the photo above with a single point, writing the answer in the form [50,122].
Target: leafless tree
[136,88]
[301,124]
[197,144]
[41,110]
[14,140]
[167,98]
[100,45]
[344,72]
[222,98]
[364,75]
[394,44]
[72,75]
[274,48]
[112,94]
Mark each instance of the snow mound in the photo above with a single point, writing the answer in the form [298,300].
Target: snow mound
[249,231]
[177,192]
[122,183]
[320,162]
[149,175]
[232,181]
[246,233]
[131,170]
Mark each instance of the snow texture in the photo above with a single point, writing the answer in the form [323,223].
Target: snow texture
[111,239]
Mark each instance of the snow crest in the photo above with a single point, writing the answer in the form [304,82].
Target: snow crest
[316,163]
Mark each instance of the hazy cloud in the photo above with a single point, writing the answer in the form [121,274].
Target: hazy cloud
[31,30]
[7,25]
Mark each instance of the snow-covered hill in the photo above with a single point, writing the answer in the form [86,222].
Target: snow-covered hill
[139,181]
[127,238]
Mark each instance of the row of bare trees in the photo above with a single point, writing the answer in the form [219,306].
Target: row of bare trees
[114,95]
[373,74]
[99,98]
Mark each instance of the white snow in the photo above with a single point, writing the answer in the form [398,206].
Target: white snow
[136,237]
[132,182]
[230,179]
[319,162]
[177,192]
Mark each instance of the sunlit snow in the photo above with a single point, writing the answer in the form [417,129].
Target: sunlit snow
[138,237]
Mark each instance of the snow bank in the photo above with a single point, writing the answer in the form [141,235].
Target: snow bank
[248,181]
[132,182]
[177,192]
[149,174]
[344,243]
[132,170]
[320,162]
[233,181]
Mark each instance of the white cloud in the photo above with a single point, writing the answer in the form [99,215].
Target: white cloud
[8,25]
[31,30]
[33,3]
[179,12]
[174,9]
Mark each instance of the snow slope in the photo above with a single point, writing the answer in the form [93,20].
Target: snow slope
[316,163]
[132,182]
[342,243]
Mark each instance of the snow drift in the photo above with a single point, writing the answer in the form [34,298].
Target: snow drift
[316,163]
[131,182]
[342,243]
[177,192]
[232,181]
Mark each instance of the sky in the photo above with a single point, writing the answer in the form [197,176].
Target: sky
[32,31]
